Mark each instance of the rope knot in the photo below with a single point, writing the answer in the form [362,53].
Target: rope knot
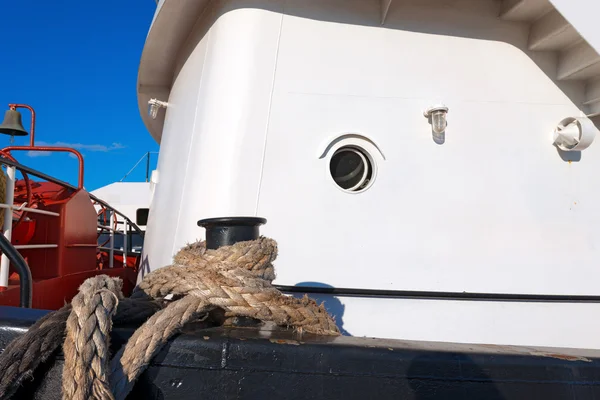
[255,256]
[236,279]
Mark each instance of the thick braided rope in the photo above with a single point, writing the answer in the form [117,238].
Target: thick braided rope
[235,278]
[87,341]
[148,340]
[238,279]
[25,353]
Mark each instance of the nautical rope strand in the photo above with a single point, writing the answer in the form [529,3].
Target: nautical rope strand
[26,352]
[87,342]
[236,279]
[147,341]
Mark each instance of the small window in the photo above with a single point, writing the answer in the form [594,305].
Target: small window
[141,216]
[351,168]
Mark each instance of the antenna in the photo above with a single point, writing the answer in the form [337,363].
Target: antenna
[147,157]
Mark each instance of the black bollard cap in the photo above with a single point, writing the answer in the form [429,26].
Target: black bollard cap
[226,231]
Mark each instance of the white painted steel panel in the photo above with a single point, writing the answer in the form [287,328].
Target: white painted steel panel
[485,322]
[493,209]
[172,161]
[212,165]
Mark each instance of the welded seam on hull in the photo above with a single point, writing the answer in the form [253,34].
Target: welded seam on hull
[262,166]
[199,21]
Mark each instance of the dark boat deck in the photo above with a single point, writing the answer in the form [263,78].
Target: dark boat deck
[252,363]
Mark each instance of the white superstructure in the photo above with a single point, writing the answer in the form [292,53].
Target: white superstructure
[258,101]
[133,200]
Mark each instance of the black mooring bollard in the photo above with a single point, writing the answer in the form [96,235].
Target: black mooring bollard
[226,231]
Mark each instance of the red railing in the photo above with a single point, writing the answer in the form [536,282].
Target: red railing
[50,149]
[33,147]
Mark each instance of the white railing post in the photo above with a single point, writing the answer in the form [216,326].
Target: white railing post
[111,258]
[29,209]
[8,220]
[125,245]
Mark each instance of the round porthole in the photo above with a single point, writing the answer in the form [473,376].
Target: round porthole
[351,168]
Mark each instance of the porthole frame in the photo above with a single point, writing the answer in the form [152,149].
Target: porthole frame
[359,142]
[367,175]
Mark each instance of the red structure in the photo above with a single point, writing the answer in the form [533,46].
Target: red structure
[60,245]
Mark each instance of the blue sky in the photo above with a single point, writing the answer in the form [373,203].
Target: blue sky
[76,63]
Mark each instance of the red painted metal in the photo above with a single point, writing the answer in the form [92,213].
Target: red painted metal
[27,185]
[58,272]
[32,130]
[51,294]
[23,233]
[102,259]
[51,149]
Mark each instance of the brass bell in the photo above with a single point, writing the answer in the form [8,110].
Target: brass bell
[12,124]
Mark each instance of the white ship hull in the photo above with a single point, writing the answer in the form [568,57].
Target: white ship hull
[261,95]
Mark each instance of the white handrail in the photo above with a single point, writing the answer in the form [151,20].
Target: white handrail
[8,208]
[11,172]
[125,244]
[112,249]
[35,246]
[28,209]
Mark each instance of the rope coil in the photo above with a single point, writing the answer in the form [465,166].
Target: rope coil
[236,279]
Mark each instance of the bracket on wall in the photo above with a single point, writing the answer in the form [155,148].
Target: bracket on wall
[385,7]
[154,105]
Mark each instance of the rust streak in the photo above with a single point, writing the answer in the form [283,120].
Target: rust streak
[569,358]
[565,357]
[285,341]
